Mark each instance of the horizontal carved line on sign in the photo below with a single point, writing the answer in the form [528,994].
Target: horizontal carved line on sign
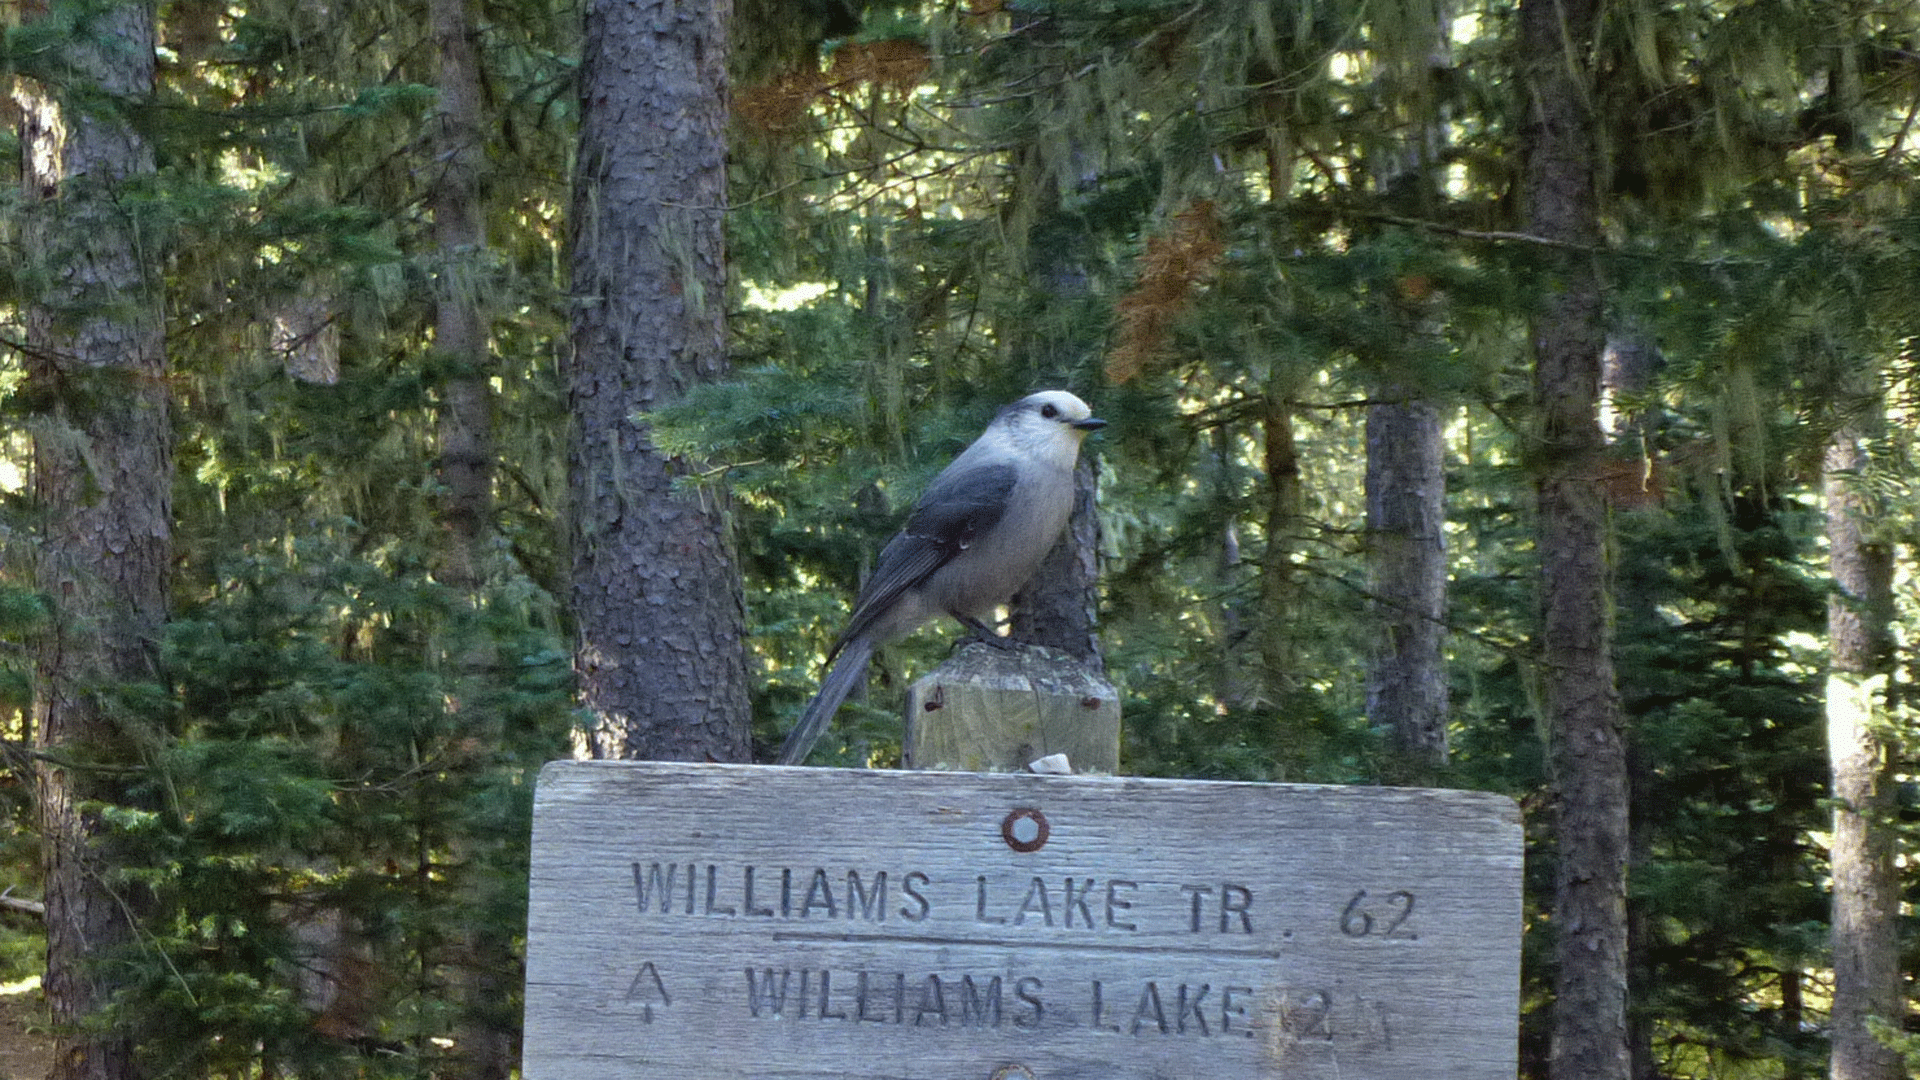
[1202,950]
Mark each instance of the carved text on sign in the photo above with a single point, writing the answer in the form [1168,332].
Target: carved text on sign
[810,924]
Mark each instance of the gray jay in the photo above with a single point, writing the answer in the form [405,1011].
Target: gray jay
[972,540]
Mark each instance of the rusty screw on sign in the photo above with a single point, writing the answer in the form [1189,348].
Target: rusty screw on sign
[1025,829]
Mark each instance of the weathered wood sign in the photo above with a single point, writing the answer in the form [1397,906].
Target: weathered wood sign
[732,921]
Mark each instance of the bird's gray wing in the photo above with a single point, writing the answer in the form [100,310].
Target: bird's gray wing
[957,509]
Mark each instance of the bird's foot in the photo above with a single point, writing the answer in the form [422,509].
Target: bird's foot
[985,634]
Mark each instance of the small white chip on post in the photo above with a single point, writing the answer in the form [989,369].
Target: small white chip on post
[1051,765]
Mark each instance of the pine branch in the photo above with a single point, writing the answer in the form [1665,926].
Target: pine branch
[1497,236]
[1494,236]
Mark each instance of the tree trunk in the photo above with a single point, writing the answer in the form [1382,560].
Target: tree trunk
[1406,481]
[1575,644]
[656,590]
[1285,522]
[1626,374]
[459,329]
[486,965]
[102,474]
[1406,511]
[1059,607]
[1866,885]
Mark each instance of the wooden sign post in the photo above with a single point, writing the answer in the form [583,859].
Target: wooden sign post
[992,709]
[735,921]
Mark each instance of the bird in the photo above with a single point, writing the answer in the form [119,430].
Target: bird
[973,539]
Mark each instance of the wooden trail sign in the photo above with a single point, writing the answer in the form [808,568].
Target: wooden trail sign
[734,921]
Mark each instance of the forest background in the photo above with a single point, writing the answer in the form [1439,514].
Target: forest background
[1502,396]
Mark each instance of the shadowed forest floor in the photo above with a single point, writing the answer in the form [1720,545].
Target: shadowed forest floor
[26,1052]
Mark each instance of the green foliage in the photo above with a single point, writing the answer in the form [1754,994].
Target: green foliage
[336,796]
[1735,246]
[339,749]
[1730,769]
[328,845]
[22,943]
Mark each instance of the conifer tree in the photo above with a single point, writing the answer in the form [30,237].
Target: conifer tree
[655,587]
[1050,335]
[1868,996]
[1575,638]
[963,193]
[484,1037]
[1407,690]
[1406,482]
[102,476]
[460,338]
[292,931]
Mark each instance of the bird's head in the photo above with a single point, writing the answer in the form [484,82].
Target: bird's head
[1050,419]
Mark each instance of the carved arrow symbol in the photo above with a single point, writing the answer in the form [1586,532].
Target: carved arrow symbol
[645,988]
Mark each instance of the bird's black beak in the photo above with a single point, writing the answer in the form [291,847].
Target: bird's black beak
[1091,423]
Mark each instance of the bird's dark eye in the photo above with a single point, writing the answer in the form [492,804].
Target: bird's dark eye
[1049,411]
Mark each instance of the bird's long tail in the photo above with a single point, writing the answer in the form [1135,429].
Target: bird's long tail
[848,669]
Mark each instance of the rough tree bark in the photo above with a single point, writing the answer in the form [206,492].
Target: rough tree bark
[1406,511]
[1866,884]
[656,590]
[102,474]
[1059,607]
[1589,1039]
